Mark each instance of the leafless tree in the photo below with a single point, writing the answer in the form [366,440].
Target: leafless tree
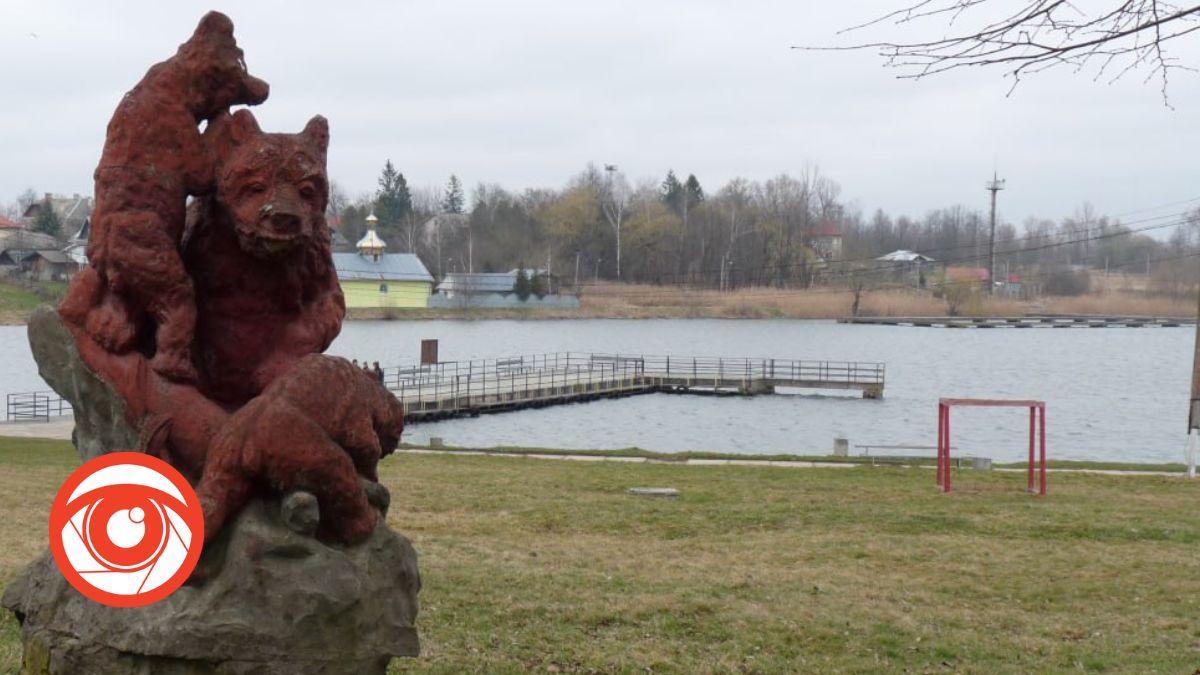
[26,198]
[614,198]
[339,199]
[426,201]
[1031,36]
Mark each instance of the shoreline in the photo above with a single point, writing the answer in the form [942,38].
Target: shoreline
[21,317]
[60,428]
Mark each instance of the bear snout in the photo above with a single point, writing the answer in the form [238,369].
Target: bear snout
[254,90]
[285,222]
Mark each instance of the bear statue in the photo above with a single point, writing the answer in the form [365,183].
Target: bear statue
[251,282]
[195,334]
[134,292]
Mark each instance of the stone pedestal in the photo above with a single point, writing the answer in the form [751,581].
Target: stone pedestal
[275,602]
[267,597]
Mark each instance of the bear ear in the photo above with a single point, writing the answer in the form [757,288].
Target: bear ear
[229,131]
[317,132]
[214,23]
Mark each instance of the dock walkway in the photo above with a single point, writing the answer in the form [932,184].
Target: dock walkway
[1030,321]
[456,388]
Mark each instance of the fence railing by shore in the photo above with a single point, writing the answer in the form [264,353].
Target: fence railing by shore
[35,406]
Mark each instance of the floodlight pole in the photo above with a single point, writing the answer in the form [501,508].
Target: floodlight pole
[995,185]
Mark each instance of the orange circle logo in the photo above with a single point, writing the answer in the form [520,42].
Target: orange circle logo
[126,529]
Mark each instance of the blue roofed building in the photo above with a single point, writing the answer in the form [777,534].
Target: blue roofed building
[372,277]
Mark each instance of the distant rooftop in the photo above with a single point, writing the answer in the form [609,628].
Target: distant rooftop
[385,267]
[479,282]
[825,228]
[904,255]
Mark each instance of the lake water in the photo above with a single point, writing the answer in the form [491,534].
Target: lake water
[1112,393]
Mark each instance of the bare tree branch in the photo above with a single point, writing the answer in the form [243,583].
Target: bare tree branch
[1040,34]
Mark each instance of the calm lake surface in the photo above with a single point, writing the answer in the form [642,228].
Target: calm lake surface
[1112,393]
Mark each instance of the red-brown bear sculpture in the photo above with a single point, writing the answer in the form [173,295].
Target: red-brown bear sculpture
[192,313]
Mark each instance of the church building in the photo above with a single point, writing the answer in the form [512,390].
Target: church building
[371,277]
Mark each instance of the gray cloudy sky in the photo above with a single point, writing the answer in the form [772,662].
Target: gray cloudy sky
[525,93]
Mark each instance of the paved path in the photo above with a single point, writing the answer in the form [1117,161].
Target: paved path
[749,462]
[637,460]
[58,428]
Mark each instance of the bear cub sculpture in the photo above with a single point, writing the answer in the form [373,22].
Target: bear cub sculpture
[318,428]
[135,293]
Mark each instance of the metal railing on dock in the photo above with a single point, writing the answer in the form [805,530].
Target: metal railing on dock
[35,405]
[1026,321]
[452,388]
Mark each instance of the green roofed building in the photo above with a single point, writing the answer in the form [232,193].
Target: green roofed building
[373,278]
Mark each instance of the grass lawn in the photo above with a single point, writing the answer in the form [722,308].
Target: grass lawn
[16,298]
[551,566]
[17,301]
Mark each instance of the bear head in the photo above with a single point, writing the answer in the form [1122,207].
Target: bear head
[273,186]
[216,68]
[389,424]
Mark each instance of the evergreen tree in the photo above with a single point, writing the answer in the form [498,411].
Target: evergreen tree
[539,285]
[47,220]
[692,190]
[672,192]
[523,287]
[392,200]
[453,201]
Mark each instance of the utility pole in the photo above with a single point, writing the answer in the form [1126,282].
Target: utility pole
[995,185]
[615,217]
[1194,412]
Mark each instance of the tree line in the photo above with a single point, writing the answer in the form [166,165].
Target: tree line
[601,226]
[673,231]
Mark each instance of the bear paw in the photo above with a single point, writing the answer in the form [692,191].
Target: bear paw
[176,367]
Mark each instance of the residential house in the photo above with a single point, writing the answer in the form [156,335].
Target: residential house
[908,266]
[71,211]
[48,265]
[17,246]
[496,290]
[826,240]
[76,248]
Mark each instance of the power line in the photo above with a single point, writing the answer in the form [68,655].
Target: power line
[688,279]
[767,292]
[844,273]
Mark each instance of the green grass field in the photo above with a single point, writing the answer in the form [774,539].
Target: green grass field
[550,566]
[18,301]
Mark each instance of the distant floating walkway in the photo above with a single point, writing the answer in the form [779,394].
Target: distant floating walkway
[1030,321]
[451,389]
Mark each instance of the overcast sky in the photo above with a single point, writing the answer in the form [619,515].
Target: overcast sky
[525,93]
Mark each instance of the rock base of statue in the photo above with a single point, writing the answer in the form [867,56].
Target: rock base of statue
[277,602]
[267,597]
